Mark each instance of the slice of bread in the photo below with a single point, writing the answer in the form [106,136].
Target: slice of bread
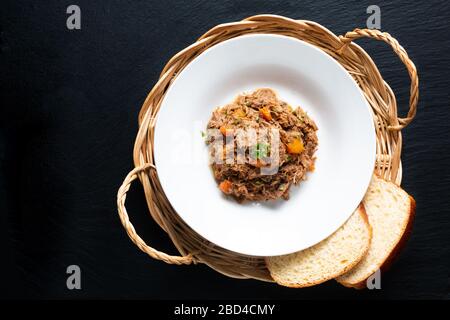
[391,213]
[326,260]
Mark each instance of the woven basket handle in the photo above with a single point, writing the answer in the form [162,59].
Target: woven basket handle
[401,53]
[121,197]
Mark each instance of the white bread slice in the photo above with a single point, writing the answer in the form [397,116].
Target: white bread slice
[391,213]
[326,260]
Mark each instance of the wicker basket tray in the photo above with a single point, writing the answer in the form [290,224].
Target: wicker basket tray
[192,247]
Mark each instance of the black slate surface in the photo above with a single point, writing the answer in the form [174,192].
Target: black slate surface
[69,106]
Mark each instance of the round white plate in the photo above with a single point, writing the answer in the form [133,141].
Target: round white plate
[302,75]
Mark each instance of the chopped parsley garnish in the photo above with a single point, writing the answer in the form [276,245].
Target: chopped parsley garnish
[261,150]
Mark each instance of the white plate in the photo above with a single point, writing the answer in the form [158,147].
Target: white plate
[302,75]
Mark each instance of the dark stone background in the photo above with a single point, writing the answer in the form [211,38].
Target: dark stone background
[69,109]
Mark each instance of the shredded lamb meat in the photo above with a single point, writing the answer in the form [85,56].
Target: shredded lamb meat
[243,176]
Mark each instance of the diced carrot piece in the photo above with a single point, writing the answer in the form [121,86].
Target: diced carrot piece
[225,186]
[295,146]
[259,163]
[265,113]
[225,131]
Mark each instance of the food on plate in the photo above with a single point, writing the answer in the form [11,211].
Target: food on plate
[391,213]
[260,146]
[326,260]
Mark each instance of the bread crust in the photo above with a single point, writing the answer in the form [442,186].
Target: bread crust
[362,211]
